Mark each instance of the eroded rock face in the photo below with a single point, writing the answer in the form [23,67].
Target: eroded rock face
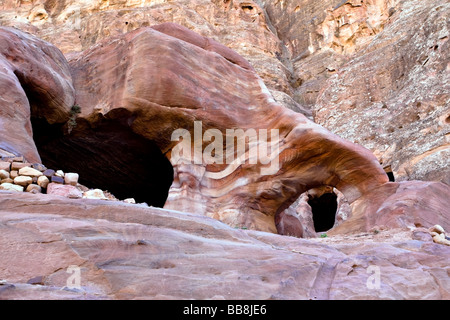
[135,90]
[34,78]
[320,36]
[394,94]
[403,204]
[186,78]
[317,210]
[74,26]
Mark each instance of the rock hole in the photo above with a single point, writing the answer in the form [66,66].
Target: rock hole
[324,210]
[108,156]
[391,11]
[389,173]
[447,120]
[247,8]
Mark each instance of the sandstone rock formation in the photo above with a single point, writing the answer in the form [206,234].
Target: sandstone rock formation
[33,73]
[116,113]
[127,82]
[124,251]
[394,94]
[322,35]
[298,48]
[75,26]
[158,99]
[375,64]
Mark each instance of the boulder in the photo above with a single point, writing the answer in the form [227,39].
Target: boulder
[4,174]
[19,165]
[33,188]
[49,173]
[437,228]
[71,178]
[441,239]
[11,187]
[59,173]
[57,179]
[27,171]
[43,181]
[39,166]
[13,174]
[23,180]
[94,194]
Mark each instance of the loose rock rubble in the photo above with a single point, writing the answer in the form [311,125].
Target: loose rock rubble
[18,175]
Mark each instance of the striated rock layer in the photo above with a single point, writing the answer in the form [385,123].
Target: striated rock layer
[185,78]
[74,26]
[394,94]
[123,251]
[111,111]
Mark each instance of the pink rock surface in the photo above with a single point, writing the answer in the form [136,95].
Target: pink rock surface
[180,82]
[134,252]
[64,190]
[34,80]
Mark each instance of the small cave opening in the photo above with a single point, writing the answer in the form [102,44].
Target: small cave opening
[323,209]
[247,8]
[108,156]
[389,173]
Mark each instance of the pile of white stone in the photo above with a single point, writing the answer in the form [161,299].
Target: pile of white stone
[20,176]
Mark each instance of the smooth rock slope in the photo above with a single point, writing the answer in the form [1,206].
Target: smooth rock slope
[126,251]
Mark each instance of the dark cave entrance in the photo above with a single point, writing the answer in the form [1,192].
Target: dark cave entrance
[391,176]
[108,156]
[323,210]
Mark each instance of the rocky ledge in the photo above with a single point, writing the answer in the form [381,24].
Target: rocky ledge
[125,251]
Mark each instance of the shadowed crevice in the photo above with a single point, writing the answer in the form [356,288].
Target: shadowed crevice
[108,156]
[324,211]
